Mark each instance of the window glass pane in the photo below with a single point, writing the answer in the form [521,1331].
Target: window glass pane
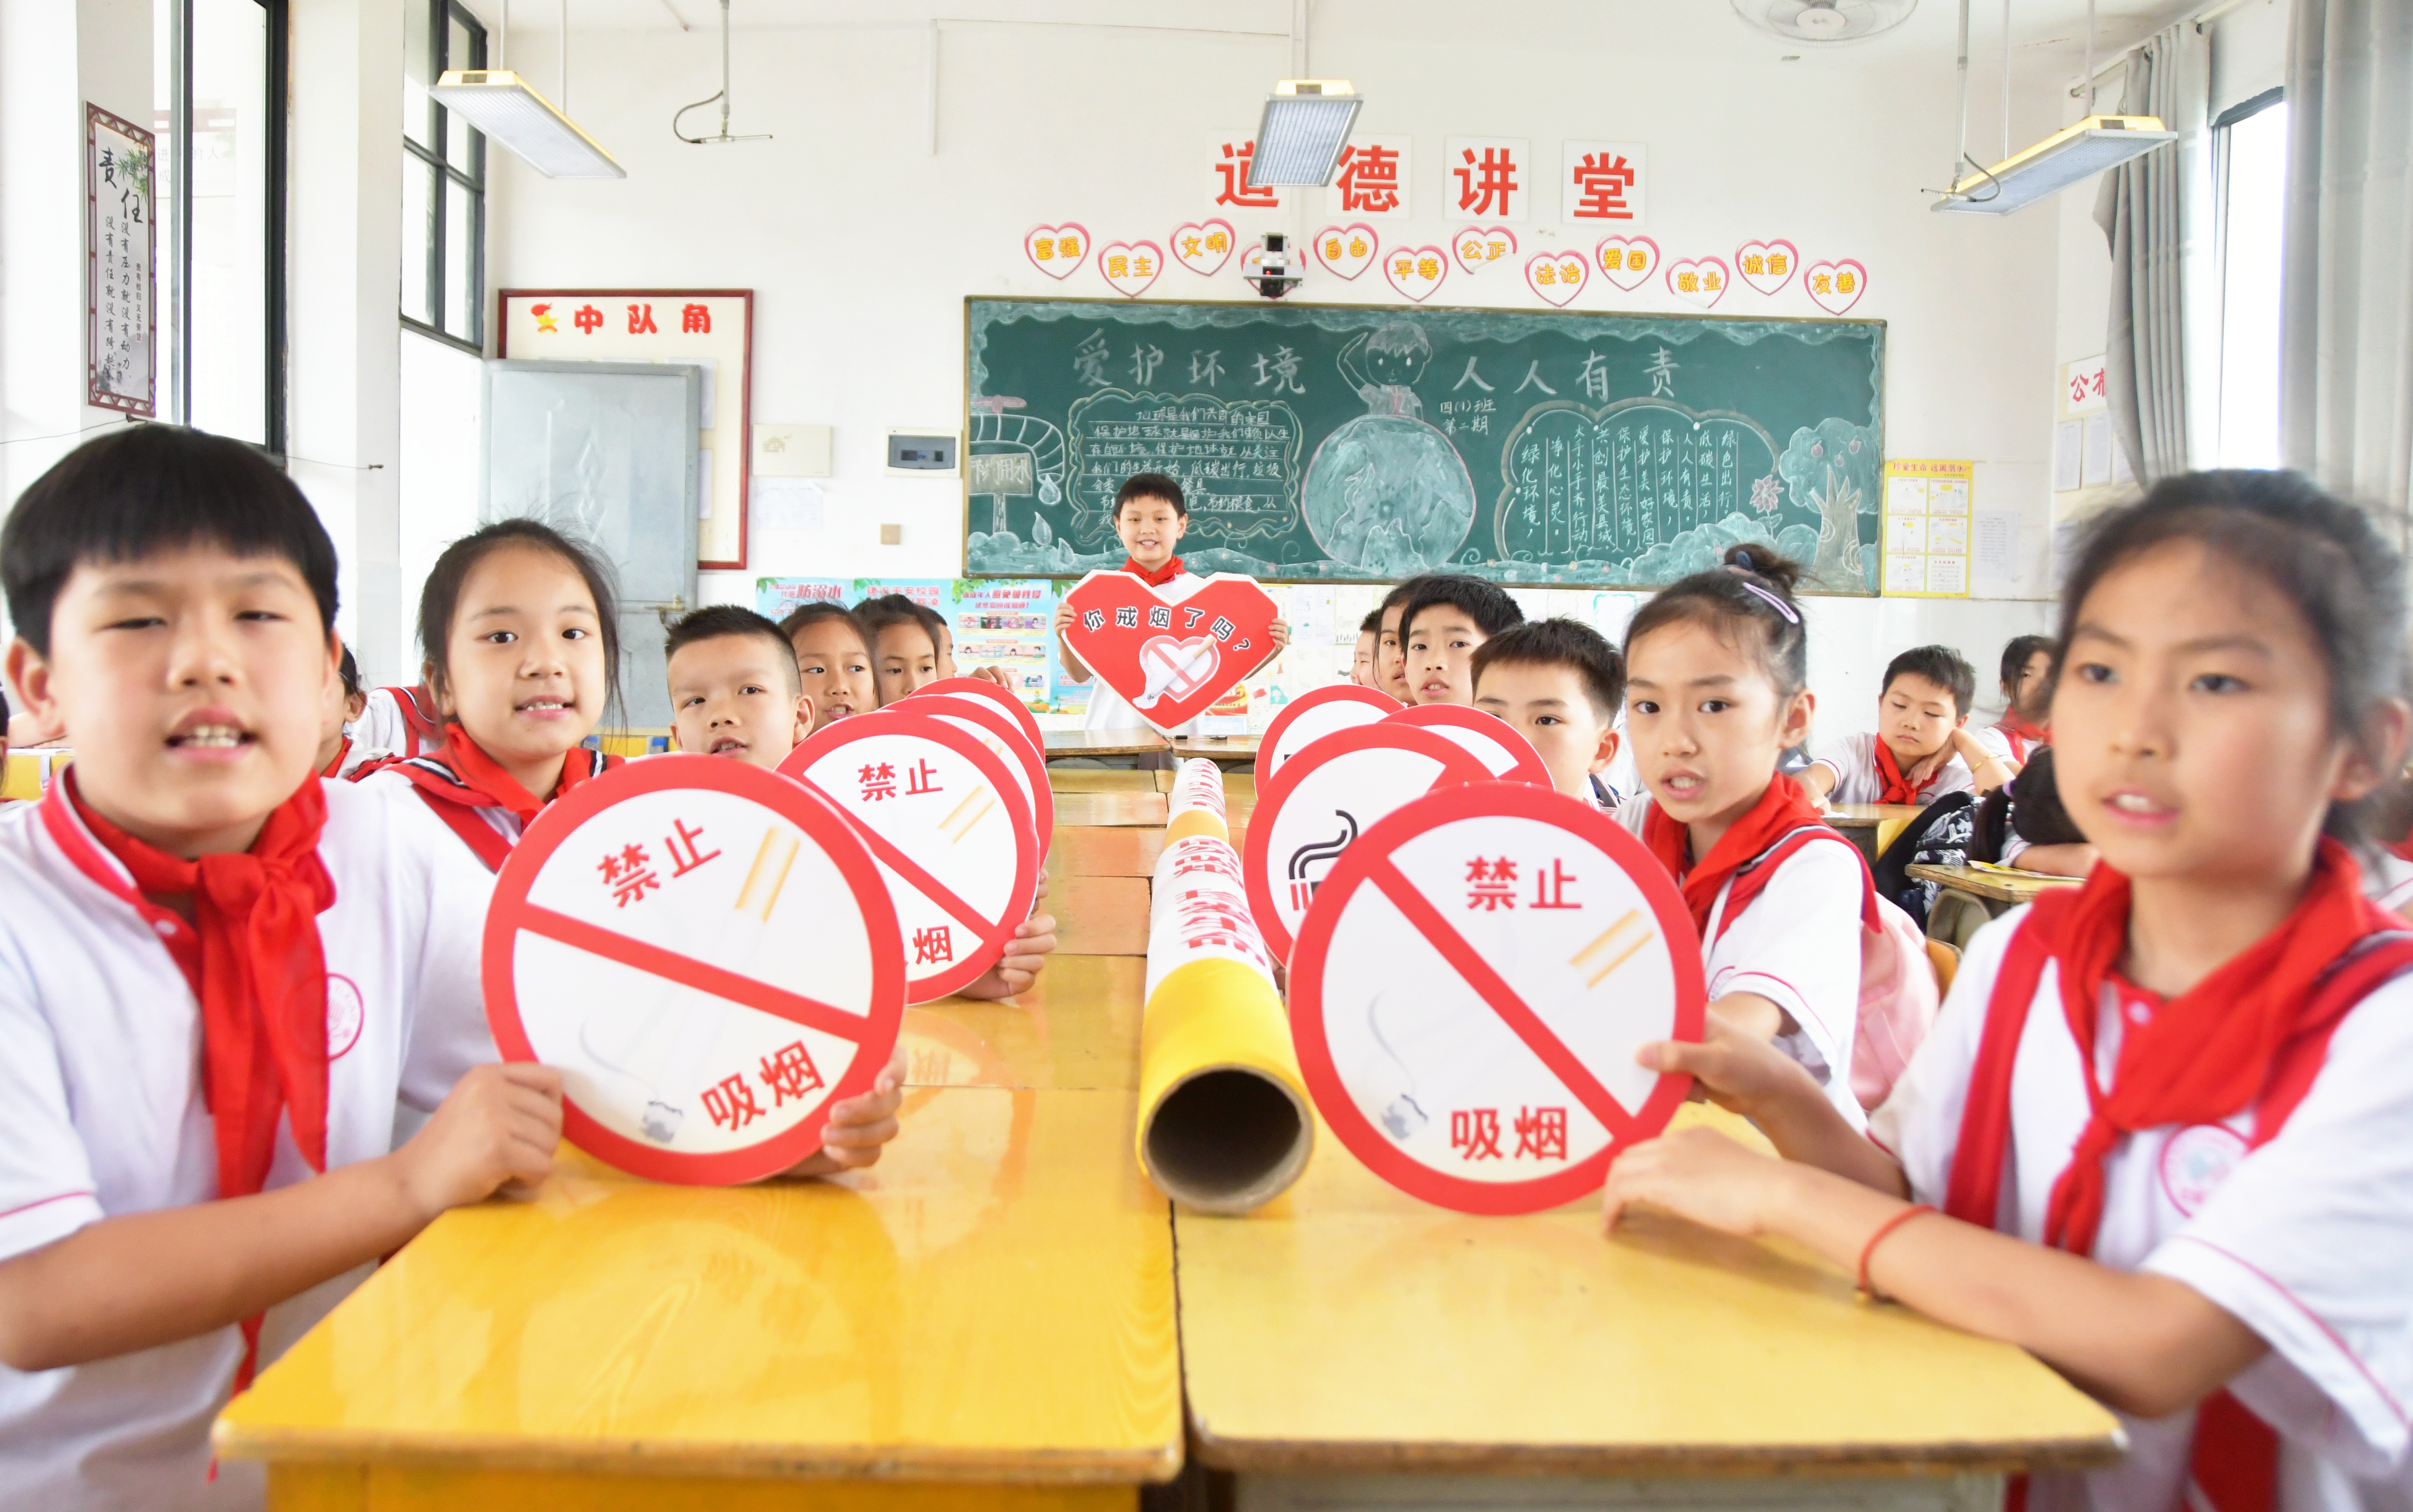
[417,237]
[460,284]
[229,293]
[418,43]
[164,192]
[2254,189]
[462,51]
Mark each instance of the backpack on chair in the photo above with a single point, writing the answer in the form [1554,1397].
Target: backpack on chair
[1939,837]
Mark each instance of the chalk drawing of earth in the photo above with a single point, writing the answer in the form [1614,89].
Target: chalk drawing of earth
[1389,495]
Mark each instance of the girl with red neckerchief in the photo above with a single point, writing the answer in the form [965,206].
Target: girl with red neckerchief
[2162,1135]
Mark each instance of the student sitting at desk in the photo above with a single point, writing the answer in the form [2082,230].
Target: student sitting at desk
[2036,832]
[1442,625]
[2169,1127]
[1922,748]
[2027,699]
[834,658]
[1150,517]
[1561,686]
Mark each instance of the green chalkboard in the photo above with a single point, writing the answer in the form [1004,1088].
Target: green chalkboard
[1336,443]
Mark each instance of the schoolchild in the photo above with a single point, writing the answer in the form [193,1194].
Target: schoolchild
[1716,674]
[339,754]
[1390,652]
[1922,748]
[222,980]
[2027,689]
[904,645]
[404,721]
[2162,1137]
[1563,685]
[1441,626]
[833,657]
[1370,645]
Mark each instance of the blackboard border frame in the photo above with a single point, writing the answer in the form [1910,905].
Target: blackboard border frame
[963,443]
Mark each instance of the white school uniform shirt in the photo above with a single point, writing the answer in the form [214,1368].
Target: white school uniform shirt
[1797,944]
[2308,1241]
[102,1115]
[1852,759]
[2387,878]
[1110,710]
[1996,742]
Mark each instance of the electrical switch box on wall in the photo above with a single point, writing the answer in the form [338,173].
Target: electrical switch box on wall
[921,451]
[791,451]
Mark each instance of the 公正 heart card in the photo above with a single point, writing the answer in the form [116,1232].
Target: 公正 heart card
[1170,660]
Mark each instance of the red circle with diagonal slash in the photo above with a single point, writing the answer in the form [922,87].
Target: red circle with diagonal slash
[1369,864]
[1524,762]
[1281,742]
[993,934]
[1030,761]
[989,692]
[874,1032]
[1458,765]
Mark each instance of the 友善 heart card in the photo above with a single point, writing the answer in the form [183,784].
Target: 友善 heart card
[1170,660]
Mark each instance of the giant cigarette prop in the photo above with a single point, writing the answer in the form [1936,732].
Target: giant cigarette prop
[1224,1122]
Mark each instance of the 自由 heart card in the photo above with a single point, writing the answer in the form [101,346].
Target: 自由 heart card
[1171,659]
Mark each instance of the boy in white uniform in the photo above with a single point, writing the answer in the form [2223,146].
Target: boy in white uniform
[1563,685]
[1923,748]
[219,975]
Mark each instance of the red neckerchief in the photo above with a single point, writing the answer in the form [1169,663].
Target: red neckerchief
[422,727]
[1893,787]
[260,977]
[2021,734]
[2252,1034]
[1157,579]
[462,778]
[336,768]
[1784,814]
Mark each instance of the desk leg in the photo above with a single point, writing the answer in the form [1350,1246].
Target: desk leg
[1504,1493]
[392,1489]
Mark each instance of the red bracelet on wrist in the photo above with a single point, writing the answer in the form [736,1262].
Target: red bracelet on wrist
[1868,1251]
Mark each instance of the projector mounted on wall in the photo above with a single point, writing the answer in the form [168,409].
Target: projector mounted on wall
[1817,22]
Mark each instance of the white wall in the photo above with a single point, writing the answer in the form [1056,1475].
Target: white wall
[441,408]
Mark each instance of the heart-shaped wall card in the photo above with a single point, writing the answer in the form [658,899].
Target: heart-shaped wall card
[1170,660]
[1057,250]
[1767,266]
[1557,277]
[1836,286]
[1626,260]
[1415,270]
[1130,267]
[1203,246]
[1699,280]
[1477,246]
[1347,250]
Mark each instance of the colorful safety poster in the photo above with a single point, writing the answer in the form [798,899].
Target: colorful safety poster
[1926,528]
[643,941]
[1469,989]
[997,622]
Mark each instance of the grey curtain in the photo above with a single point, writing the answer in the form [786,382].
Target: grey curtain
[2345,334]
[2154,210]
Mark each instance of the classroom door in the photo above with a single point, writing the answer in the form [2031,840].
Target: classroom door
[608,452]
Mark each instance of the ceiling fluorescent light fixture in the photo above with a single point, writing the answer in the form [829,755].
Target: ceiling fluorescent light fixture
[500,104]
[2060,160]
[1300,137]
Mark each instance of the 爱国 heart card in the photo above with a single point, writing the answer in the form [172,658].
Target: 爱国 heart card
[1170,660]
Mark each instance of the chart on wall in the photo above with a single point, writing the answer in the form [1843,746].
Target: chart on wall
[1355,444]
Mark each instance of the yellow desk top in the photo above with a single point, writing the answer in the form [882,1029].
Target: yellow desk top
[1103,851]
[1095,780]
[1103,742]
[1077,1026]
[1869,815]
[1348,1328]
[1217,749]
[1995,885]
[1110,808]
[994,1301]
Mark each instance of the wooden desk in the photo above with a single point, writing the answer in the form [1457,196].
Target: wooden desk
[2000,893]
[1103,851]
[1094,780]
[1110,808]
[1224,748]
[1348,1333]
[1105,742]
[1873,826]
[986,1319]
[1076,1027]
[1100,915]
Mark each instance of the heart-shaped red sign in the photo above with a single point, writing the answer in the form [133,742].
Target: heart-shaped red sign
[1204,247]
[1415,270]
[1557,277]
[1171,659]
[1347,250]
[1057,250]
[1626,260]
[1479,246]
[1836,286]
[1131,266]
[1699,280]
[1767,266]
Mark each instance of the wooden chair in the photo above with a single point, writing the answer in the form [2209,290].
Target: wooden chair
[1946,961]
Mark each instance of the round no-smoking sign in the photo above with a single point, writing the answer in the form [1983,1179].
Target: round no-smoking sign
[1469,989]
[643,941]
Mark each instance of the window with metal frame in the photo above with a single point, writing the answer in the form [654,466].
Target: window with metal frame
[443,181]
[2250,171]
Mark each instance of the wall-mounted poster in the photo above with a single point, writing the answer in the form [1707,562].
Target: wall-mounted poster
[1926,528]
[119,355]
[1002,624]
[713,328]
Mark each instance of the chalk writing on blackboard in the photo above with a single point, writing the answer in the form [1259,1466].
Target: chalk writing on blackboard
[1598,485]
[1237,460]
[1387,490]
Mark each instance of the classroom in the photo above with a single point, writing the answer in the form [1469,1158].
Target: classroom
[1567,754]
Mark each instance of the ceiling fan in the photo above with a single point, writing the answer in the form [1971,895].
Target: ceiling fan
[1817,22]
